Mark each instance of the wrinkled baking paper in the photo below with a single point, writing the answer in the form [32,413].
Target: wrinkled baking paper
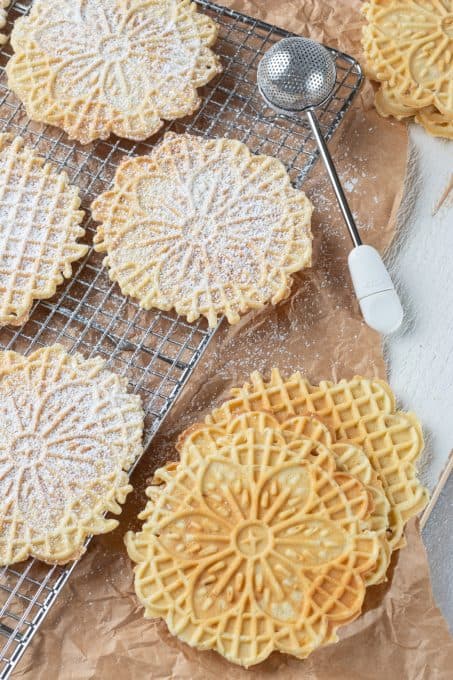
[96,629]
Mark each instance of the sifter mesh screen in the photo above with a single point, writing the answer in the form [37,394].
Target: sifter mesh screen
[296,74]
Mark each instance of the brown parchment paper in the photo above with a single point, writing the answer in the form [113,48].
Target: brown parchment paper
[96,628]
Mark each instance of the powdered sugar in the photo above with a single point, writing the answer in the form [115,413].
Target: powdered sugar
[210,229]
[39,225]
[67,429]
[111,66]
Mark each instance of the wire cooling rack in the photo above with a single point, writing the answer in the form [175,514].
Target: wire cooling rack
[156,351]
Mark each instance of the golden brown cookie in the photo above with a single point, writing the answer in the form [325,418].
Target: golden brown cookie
[409,45]
[358,411]
[254,542]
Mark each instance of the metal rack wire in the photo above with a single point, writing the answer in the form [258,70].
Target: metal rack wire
[156,351]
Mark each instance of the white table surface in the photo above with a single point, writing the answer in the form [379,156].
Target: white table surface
[420,355]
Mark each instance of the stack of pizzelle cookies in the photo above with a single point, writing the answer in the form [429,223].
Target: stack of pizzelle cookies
[408,47]
[285,506]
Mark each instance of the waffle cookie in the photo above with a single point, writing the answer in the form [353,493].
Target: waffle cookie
[348,458]
[408,47]
[204,227]
[254,541]
[93,67]
[68,432]
[358,411]
[39,227]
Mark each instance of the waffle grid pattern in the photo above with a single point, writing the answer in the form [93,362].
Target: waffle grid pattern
[218,555]
[91,93]
[359,411]
[407,45]
[34,199]
[156,351]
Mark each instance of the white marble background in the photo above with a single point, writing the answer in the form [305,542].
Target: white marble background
[420,355]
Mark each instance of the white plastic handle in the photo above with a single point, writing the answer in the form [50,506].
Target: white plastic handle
[378,299]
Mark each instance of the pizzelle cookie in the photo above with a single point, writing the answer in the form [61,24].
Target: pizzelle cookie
[348,458]
[353,460]
[204,227]
[254,541]
[410,45]
[93,67]
[358,411]
[39,227]
[68,432]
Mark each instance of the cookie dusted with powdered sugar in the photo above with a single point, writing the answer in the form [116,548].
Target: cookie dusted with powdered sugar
[39,229]
[204,227]
[68,432]
[93,67]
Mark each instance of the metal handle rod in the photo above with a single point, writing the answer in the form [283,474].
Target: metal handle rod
[333,176]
